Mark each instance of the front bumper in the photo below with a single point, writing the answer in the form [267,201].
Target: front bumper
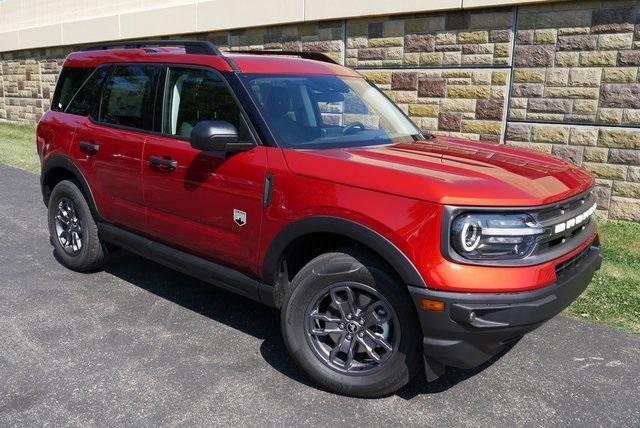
[476,326]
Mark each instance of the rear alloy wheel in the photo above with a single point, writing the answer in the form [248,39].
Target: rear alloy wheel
[350,325]
[72,229]
[68,227]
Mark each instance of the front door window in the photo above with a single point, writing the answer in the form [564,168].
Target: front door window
[193,95]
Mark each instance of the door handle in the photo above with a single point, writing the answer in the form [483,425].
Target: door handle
[163,163]
[89,147]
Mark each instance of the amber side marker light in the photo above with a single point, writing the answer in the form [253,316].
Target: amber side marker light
[432,305]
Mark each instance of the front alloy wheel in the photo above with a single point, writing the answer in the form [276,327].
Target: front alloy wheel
[352,328]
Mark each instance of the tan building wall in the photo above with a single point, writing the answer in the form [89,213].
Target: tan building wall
[558,77]
[26,24]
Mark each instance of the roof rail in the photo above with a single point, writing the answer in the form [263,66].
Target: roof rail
[316,56]
[199,47]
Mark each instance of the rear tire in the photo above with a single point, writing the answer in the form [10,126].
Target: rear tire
[72,229]
[350,325]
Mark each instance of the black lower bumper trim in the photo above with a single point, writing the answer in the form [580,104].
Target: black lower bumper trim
[476,326]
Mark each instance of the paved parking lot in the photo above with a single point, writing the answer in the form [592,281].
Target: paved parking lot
[138,344]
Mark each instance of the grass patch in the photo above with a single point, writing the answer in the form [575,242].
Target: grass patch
[18,146]
[613,298]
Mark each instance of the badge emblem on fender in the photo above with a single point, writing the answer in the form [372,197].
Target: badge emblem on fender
[239,217]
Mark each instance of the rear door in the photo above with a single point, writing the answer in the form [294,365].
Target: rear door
[207,203]
[110,143]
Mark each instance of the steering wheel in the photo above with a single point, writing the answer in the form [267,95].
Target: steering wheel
[351,127]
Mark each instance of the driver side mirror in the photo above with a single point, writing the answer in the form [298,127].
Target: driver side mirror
[217,136]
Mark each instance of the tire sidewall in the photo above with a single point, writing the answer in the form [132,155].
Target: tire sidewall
[317,276]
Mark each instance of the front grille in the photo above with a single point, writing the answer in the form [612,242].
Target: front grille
[568,206]
[560,214]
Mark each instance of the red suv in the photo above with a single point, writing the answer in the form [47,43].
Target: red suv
[293,181]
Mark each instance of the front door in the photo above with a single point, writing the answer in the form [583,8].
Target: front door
[206,203]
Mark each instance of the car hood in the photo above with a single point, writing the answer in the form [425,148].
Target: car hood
[447,171]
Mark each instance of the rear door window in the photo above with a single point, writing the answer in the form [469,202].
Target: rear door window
[70,80]
[88,95]
[128,96]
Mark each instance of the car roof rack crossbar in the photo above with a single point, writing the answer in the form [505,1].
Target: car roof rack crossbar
[198,47]
[316,56]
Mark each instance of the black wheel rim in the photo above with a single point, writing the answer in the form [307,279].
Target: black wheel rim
[68,227]
[352,328]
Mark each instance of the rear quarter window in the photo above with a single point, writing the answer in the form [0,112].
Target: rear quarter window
[88,95]
[70,80]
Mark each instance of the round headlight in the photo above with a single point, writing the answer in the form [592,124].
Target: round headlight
[470,236]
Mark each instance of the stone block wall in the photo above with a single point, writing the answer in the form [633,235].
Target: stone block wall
[578,65]
[468,103]
[575,93]
[27,82]
[480,37]
[562,78]
[21,83]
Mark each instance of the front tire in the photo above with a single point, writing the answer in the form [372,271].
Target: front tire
[350,325]
[72,229]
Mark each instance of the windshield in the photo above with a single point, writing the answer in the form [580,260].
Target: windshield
[310,111]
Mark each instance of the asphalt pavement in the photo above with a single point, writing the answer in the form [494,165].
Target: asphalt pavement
[139,344]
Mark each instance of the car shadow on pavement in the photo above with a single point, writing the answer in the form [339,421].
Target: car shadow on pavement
[247,316]
[235,311]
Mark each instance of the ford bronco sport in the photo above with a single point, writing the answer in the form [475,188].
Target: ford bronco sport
[293,181]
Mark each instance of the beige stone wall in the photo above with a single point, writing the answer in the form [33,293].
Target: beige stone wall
[27,83]
[562,78]
[467,103]
[576,74]
[481,37]
[578,65]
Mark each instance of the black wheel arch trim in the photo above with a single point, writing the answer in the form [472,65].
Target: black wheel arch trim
[60,161]
[349,229]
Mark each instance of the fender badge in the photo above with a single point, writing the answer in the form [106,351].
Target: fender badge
[239,217]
